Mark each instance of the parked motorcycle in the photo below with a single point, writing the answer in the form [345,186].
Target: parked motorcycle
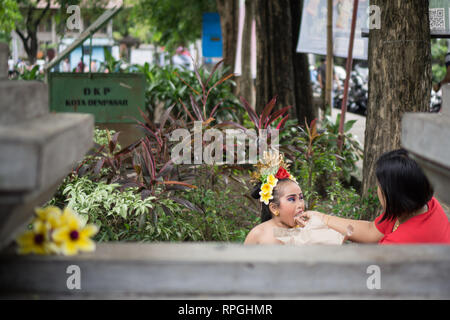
[436,101]
[357,95]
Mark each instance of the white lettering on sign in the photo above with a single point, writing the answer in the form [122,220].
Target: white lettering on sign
[74,281]
[74,21]
[374,281]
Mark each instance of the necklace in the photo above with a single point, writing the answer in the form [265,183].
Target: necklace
[397,223]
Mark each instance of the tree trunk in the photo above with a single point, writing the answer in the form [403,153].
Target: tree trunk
[399,77]
[30,42]
[245,81]
[275,72]
[329,71]
[229,16]
[281,71]
[304,105]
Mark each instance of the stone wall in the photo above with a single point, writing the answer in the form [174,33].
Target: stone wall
[222,271]
[427,137]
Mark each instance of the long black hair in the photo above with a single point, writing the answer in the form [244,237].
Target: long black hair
[265,211]
[403,183]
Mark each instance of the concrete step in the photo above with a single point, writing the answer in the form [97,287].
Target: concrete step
[221,271]
[22,100]
[37,152]
[35,157]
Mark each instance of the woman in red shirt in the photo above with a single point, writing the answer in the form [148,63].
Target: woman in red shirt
[411,213]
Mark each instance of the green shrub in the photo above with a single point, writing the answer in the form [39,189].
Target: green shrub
[32,74]
[347,203]
[222,215]
[322,171]
[123,215]
[101,137]
[169,85]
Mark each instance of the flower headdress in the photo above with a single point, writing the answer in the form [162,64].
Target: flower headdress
[269,170]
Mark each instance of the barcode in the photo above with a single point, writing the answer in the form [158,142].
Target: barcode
[437,19]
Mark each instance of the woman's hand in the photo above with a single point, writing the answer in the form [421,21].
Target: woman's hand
[303,219]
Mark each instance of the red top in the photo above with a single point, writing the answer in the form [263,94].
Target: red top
[428,227]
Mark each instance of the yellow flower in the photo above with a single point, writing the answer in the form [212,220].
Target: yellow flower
[272,180]
[35,241]
[265,197]
[266,188]
[72,236]
[50,215]
[292,178]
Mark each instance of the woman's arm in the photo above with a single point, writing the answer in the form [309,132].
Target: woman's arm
[356,230]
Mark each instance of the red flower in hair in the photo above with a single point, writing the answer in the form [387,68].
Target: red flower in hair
[282,174]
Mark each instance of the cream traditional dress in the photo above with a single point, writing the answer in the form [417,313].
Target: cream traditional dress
[314,232]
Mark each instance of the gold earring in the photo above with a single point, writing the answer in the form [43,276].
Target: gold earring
[276,213]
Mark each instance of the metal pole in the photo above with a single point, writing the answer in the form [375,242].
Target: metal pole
[347,77]
[82,57]
[90,53]
[329,70]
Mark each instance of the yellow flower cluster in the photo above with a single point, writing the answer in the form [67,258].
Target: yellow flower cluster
[267,188]
[56,232]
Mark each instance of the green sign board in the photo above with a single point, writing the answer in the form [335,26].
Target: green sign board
[110,97]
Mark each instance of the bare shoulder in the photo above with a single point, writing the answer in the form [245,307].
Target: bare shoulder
[262,234]
[255,235]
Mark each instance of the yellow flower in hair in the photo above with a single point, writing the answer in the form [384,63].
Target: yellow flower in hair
[265,197]
[73,236]
[272,180]
[266,188]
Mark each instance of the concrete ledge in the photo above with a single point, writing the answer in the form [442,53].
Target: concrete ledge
[218,271]
[22,100]
[35,157]
[38,152]
[427,137]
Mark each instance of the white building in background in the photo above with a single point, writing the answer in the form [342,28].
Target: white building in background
[48,37]
[143,54]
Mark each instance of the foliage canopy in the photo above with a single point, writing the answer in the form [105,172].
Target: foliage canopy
[173,23]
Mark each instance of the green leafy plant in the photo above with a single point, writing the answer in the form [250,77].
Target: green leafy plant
[110,63]
[204,215]
[351,150]
[102,137]
[346,202]
[168,85]
[120,215]
[10,13]
[222,208]
[105,160]
[315,157]
[29,74]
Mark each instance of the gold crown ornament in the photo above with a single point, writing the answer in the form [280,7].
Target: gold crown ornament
[269,170]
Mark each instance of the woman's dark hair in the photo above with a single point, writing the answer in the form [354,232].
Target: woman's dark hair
[265,211]
[403,183]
